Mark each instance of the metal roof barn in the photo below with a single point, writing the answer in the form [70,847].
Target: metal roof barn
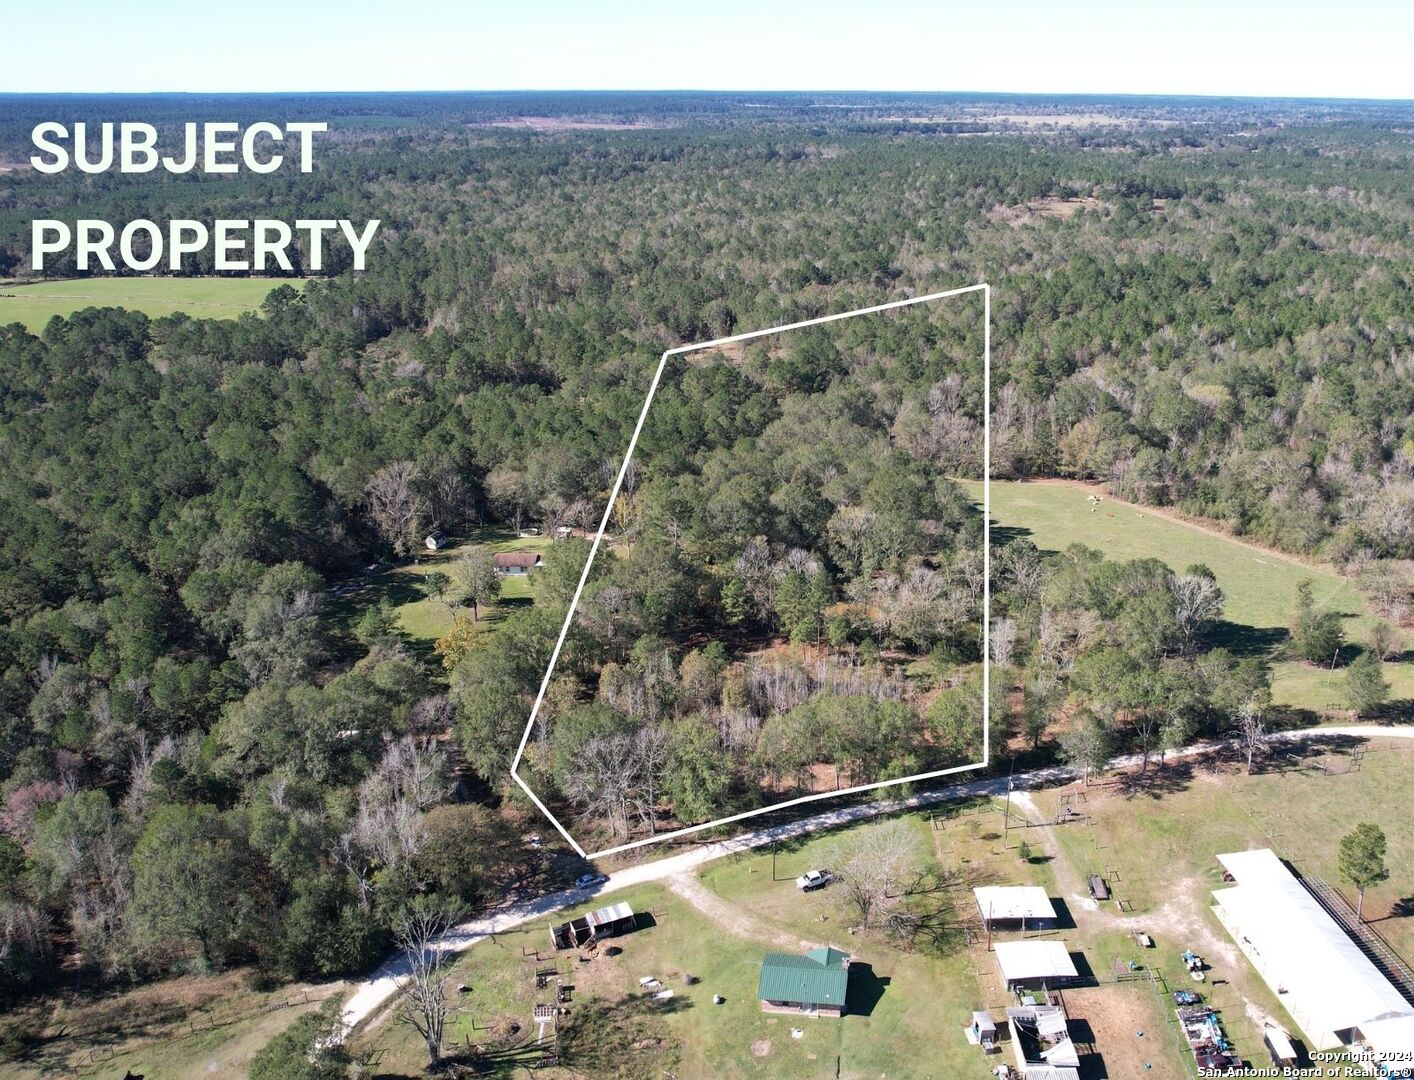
[1322,978]
[1035,962]
[1014,903]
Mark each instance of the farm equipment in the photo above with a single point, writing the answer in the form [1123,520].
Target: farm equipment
[1194,963]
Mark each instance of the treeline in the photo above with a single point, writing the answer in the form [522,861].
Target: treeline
[1123,654]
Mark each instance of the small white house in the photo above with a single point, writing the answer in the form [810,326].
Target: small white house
[435,540]
[516,563]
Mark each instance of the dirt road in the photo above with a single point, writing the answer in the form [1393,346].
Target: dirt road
[731,917]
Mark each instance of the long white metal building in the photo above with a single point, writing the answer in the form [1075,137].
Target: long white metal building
[1328,985]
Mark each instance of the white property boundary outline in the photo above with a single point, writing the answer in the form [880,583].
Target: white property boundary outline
[986,291]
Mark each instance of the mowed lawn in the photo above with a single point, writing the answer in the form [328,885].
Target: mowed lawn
[929,999]
[425,619]
[734,1040]
[205,298]
[1260,585]
[924,1001]
[906,1010]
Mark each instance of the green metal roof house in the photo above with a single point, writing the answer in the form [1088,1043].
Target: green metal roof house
[814,984]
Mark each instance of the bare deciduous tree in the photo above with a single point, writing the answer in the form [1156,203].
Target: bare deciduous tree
[605,777]
[396,507]
[1003,641]
[1250,727]
[388,825]
[1199,604]
[418,932]
[872,866]
[650,749]
[581,512]
[431,715]
[939,430]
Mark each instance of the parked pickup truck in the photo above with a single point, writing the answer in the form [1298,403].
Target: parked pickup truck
[814,879]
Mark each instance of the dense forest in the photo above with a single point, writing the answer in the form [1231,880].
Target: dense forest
[1206,306]
[799,496]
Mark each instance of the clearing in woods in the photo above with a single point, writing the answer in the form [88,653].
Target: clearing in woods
[423,617]
[1260,584]
[200,297]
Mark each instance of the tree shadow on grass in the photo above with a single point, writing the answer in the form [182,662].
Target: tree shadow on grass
[1403,909]
[1315,755]
[1005,534]
[1398,711]
[1161,780]
[1243,641]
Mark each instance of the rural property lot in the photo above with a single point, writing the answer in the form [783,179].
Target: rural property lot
[1155,840]
[423,618]
[1153,837]
[778,618]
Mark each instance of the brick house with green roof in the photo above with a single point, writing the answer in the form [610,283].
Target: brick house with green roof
[815,984]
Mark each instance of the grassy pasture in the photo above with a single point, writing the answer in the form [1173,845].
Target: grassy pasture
[206,298]
[906,1010]
[968,840]
[1260,585]
[208,1026]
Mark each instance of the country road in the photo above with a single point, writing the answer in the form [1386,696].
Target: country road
[369,996]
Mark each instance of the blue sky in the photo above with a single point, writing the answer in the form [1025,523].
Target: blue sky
[1358,48]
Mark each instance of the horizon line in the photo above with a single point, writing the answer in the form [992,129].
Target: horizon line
[1206,96]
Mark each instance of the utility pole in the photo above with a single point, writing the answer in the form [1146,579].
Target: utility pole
[1006,823]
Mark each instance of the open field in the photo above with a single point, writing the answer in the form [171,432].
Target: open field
[425,619]
[199,1026]
[897,1009]
[1260,585]
[906,1011]
[206,298]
